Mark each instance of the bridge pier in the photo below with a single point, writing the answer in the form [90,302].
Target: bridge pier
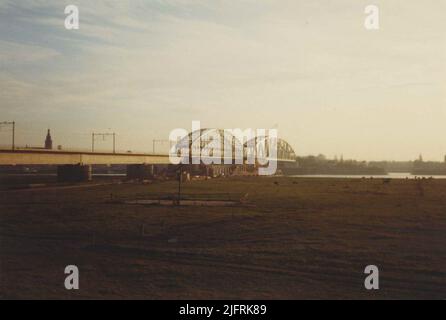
[140,171]
[74,173]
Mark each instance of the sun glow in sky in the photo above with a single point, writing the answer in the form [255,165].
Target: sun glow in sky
[308,68]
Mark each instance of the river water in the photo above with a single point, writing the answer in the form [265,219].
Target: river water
[391,175]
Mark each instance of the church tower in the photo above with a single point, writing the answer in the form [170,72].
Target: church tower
[48,141]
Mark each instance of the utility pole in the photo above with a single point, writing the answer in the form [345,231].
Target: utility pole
[114,142]
[154,141]
[103,135]
[13,131]
[13,135]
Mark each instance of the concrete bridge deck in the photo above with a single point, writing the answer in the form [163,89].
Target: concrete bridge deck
[75,166]
[53,157]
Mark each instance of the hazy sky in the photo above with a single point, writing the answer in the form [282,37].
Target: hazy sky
[309,68]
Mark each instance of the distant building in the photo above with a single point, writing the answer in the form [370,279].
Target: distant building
[48,141]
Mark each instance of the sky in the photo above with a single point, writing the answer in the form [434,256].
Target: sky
[308,68]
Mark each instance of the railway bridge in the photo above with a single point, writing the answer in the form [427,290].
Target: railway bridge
[73,166]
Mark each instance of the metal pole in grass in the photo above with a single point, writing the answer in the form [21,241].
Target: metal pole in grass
[180,166]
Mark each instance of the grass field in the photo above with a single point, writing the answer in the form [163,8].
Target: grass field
[296,238]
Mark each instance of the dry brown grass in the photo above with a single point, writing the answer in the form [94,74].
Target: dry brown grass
[304,238]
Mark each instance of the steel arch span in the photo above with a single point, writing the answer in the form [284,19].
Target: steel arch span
[234,144]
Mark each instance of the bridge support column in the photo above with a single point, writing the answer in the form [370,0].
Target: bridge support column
[74,173]
[140,171]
